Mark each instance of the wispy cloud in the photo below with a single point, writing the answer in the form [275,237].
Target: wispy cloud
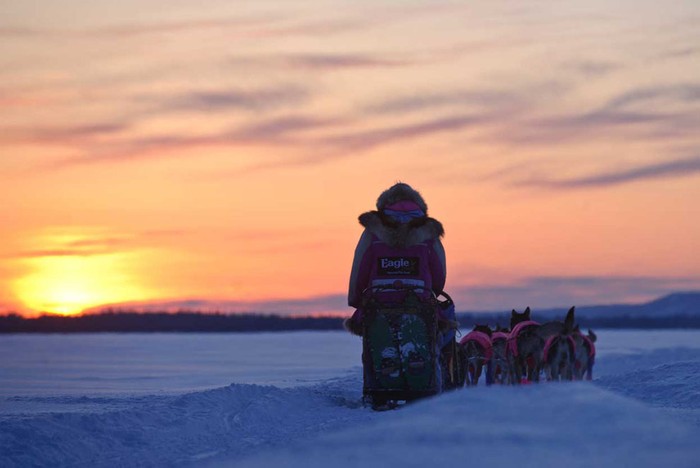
[324,149]
[315,62]
[652,113]
[592,68]
[250,100]
[91,245]
[504,106]
[275,26]
[80,248]
[177,27]
[663,170]
[133,150]
[137,29]
[66,252]
[515,113]
[346,143]
[341,61]
[481,99]
[77,134]
[680,52]
[290,131]
[278,128]
[288,23]
[643,106]
[116,130]
[681,93]
[369,139]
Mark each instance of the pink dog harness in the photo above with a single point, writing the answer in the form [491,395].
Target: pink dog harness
[499,336]
[550,341]
[591,346]
[480,338]
[512,345]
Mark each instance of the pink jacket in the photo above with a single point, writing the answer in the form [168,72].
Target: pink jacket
[410,252]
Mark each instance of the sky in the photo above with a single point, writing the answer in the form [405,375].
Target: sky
[216,155]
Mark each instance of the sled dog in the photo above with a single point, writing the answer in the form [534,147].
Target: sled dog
[524,348]
[476,353]
[499,359]
[559,349]
[584,357]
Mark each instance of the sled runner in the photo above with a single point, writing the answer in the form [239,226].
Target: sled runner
[451,354]
[399,345]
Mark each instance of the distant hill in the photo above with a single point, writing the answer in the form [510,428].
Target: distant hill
[677,310]
[682,303]
[686,303]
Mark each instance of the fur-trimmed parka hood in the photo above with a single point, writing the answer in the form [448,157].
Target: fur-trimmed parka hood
[401,235]
[401,192]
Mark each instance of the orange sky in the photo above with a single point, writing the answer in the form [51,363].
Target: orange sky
[217,154]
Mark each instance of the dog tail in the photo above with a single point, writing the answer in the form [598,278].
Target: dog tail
[591,335]
[569,321]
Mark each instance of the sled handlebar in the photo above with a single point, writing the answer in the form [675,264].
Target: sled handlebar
[446,296]
[398,286]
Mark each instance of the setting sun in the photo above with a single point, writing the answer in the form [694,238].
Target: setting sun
[75,274]
[68,285]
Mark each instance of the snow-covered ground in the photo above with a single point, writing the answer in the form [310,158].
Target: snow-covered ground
[293,399]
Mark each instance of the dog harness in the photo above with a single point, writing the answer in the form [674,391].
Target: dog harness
[481,339]
[550,341]
[587,341]
[512,345]
[498,336]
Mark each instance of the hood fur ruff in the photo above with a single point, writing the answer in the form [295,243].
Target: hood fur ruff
[401,192]
[401,235]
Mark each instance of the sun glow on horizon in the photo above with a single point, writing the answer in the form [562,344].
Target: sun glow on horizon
[69,282]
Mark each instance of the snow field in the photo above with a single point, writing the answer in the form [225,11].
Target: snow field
[91,406]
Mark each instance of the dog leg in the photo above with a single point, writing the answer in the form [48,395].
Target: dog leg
[479,368]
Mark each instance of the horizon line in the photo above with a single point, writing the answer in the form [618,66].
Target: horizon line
[174,308]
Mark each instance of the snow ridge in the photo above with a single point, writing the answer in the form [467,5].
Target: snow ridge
[234,421]
[567,424]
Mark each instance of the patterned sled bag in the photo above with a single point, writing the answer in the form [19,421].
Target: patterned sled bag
[399,345]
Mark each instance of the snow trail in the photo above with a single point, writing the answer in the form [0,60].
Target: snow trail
[568,424]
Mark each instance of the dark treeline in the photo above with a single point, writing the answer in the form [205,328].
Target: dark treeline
[467,321]
[124,322]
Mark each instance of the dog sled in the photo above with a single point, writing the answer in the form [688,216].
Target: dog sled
[401,346]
